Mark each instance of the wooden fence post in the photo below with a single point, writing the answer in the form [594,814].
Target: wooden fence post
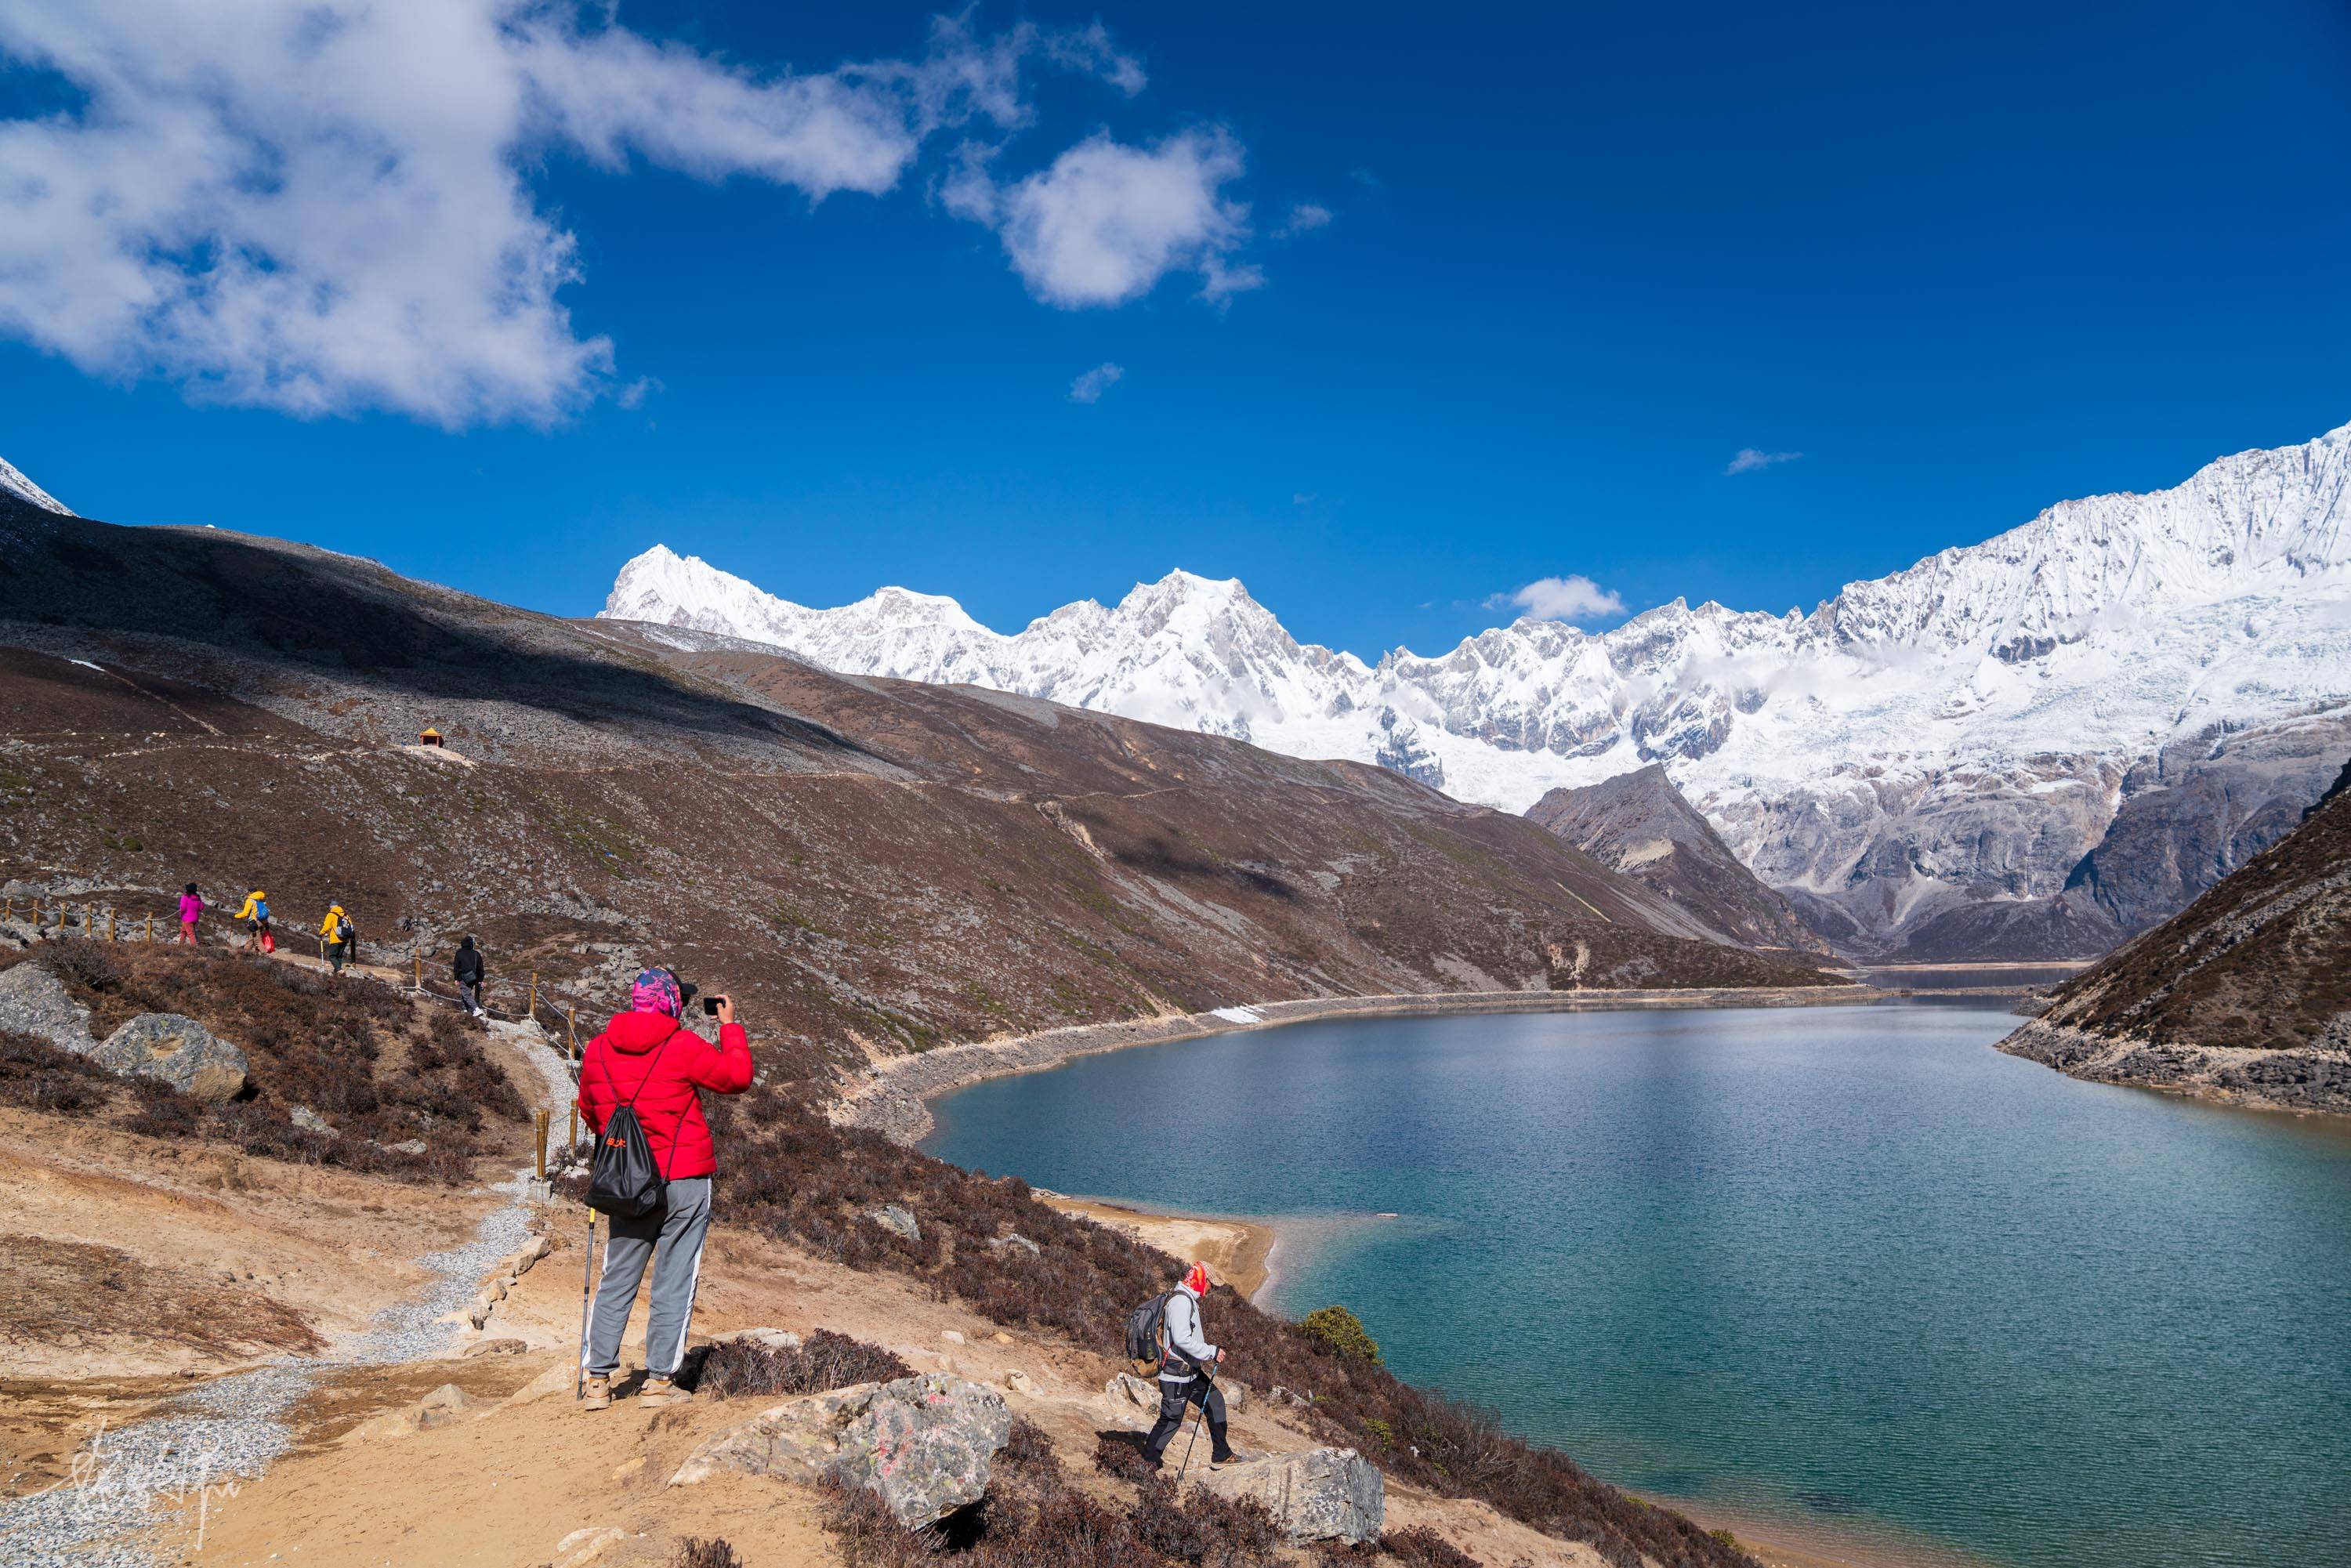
[110,923]
[531,1010]
[151,927]
[420,968]
[539,1126]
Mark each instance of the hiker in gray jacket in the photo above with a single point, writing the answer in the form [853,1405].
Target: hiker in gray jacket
[1187,1374]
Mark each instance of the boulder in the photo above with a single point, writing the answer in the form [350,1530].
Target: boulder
[1142,1392]
[177,1049]
[896,1218]
[309,1121]
[33,1001]
[1322,1494]
[1013,1241]
[923,1445]
[1236,1393]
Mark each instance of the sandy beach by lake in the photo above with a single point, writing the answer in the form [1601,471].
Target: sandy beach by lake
[1238,1251]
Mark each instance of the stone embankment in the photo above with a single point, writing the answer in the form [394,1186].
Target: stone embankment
[891,1099]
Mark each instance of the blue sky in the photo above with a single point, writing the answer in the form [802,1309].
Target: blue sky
[1570,261]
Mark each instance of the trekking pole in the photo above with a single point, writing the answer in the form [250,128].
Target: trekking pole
[1200,1414]
[586,1273]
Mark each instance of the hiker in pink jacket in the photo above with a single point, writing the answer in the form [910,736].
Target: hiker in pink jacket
[191,908]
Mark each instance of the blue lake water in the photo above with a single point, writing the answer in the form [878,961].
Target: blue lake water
[1843,1266]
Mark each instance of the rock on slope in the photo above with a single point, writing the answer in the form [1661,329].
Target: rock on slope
[875,866]
[1922,763]
[2245,993]
[1640,824]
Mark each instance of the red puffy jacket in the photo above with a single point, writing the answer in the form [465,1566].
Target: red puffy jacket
[650,1060]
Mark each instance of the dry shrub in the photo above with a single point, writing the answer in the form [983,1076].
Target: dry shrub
[824,1361]
[84,966]
[160,1110]
[1120,1453]
[1029,1452]
[1421,1547]
[868,1535]
[695,1552]
[1204,1528]
[36,1076]
[355,1051]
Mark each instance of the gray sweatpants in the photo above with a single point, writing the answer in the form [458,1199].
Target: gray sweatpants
[672,1237]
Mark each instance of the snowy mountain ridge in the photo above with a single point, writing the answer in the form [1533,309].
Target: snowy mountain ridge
[1958,734]
[13,482]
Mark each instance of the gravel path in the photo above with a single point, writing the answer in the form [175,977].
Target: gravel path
[232,1428]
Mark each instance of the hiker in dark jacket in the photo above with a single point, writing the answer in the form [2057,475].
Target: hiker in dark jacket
[645,1059]
[469,971]
[1187,1374]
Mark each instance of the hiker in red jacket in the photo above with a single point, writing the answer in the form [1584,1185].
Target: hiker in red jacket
[645,1058]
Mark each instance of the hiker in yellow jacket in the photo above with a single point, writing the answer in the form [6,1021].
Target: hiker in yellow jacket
[342,934]
[255,913]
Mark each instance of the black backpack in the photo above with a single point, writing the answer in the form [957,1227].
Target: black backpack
[1146,1329]
[623,1180]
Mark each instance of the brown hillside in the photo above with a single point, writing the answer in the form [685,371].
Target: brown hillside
[2245,993]
[1641,825]
[876,866]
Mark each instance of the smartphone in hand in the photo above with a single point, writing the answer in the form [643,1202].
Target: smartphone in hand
[710,1006]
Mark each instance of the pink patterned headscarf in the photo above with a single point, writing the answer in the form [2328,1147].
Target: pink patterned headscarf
[655,992]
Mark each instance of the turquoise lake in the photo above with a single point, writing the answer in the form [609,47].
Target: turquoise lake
[1847,1267]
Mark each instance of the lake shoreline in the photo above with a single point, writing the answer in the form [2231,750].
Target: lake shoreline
[893,1098]
[1238,1251]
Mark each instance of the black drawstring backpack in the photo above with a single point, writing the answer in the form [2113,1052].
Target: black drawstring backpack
[623,1180]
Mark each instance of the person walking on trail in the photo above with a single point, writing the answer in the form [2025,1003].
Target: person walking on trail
[1187,1374]
[255,913]
[340,935]
[469,971]
[646,1058]
[192,909]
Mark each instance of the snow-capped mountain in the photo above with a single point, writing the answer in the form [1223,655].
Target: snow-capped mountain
[1926,763]
[14,483]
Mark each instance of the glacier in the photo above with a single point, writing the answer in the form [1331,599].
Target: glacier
[1929,764]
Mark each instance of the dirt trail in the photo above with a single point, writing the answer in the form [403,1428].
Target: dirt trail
[127,1237]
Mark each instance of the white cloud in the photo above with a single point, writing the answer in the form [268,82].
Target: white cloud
[1563,599]
[322,206]
[1748,458]
[1089,388]
[1304,218]
[1105,222]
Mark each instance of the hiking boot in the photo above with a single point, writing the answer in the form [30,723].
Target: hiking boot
[662,1391]
[1224,1461]
[596,1393]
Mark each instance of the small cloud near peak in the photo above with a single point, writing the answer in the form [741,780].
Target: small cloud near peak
[1304,218]
[1571,598]
[1090,387]
[1750,458]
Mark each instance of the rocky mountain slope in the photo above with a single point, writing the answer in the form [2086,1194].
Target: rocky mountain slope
[2028,747]
[877,866]
[1640,824]
[2244,993]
